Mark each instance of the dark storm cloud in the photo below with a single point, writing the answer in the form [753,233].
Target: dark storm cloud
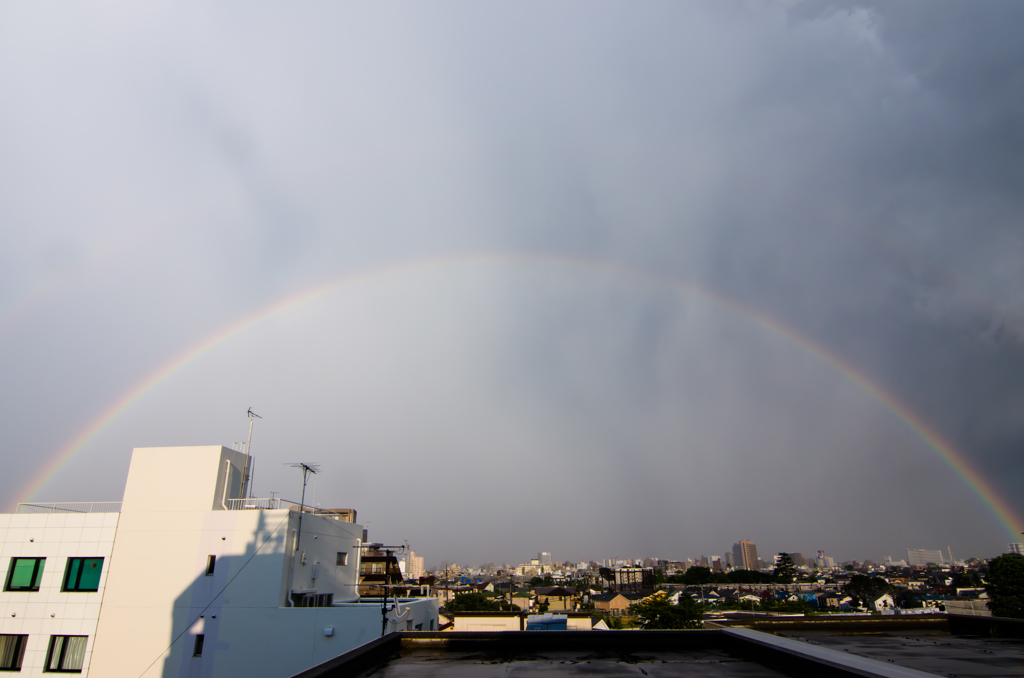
[850,169]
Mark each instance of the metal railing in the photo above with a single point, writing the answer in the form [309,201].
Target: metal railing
[263,504]
[257,504]
[71,507]
[254,504]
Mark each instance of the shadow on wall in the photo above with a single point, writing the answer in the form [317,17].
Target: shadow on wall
[223,612]
[228,620]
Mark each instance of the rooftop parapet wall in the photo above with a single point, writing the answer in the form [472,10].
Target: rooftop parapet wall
[70,507]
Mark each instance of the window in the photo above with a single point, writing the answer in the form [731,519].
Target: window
[210,562]
[66,654]
[12,650]
[197,649]
[25,574]
[342,558]
[376,568]
[83,574]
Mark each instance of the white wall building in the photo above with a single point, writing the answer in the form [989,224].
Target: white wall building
[924,557]
[414,570]
[192,579]
[44,596]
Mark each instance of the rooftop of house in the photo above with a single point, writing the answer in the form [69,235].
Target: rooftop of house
[555,591]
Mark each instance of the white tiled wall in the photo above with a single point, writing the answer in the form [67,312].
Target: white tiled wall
[48,611]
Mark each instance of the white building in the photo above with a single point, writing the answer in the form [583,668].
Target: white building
[924,557]
[880,602]
[414,569]
[186,578]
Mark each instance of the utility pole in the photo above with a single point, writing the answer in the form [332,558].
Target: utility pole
[383,595]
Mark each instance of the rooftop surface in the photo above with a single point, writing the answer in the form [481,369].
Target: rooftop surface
[425,663]
[667,654]
[934,652]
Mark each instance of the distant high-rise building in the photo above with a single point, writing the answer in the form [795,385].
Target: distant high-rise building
[924,557]
[1015,548]
[729,562]
[544,557]
[825,562]
[716,564]
[414,566]
[744,554]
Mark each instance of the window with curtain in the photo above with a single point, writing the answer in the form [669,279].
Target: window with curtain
[12,650]
[66,654]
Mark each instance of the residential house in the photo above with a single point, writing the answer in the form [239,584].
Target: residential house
[880,602]
[835,601]
[557,598]
[522,599]
[379,571]
[613,603]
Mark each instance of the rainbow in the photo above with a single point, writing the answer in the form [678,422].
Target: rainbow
[954,459]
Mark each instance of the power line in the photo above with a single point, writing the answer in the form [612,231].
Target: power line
[212,600]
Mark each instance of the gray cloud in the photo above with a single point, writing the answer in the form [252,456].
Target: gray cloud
[852,170]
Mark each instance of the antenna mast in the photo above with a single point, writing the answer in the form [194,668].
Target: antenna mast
[306,470]
[246,488]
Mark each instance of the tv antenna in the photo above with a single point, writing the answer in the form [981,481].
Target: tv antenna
[246,486]
[307,469]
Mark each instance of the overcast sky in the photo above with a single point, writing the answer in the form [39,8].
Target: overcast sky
[851,171]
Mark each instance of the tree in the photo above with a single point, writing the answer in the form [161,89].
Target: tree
[658,612]
[549,580]
[863,584]
[966,580]
[697,575]
[785,571]
[747,577]
[473,602]
[1005,586]
[536,581]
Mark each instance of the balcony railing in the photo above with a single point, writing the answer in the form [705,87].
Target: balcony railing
[253,504]
[263,504]
[71,507]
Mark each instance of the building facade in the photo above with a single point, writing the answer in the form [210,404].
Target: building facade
[414,567]
[924,557]
[55,566]
[744,555]
[193,579]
